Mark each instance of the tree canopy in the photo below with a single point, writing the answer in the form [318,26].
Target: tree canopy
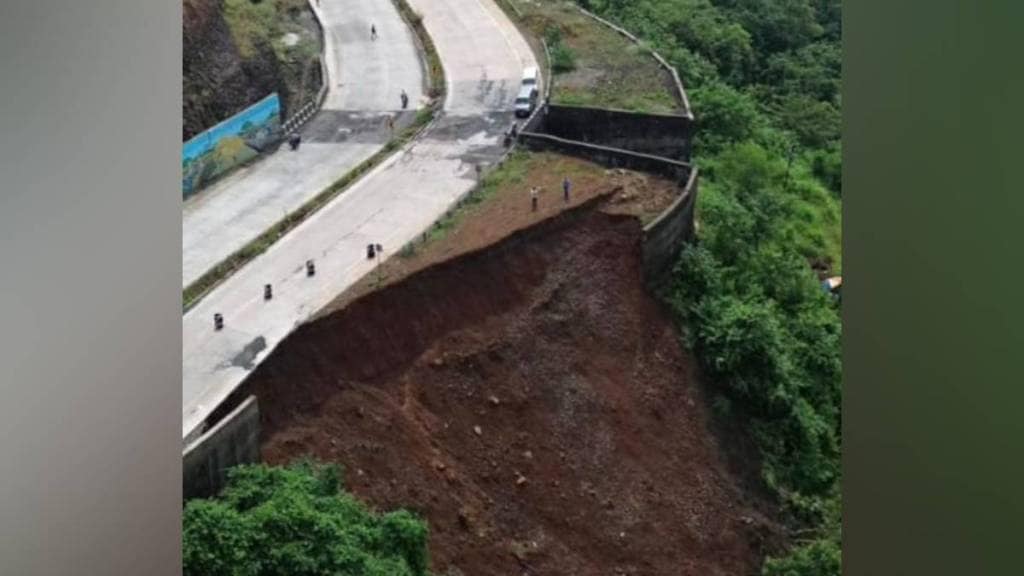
[297,521]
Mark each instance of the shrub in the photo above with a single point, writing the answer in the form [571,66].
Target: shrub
[296,521]
[562,58]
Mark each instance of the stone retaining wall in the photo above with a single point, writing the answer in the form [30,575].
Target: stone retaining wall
[234,440]
[665,236]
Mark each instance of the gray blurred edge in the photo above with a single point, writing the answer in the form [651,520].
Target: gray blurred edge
[90,331]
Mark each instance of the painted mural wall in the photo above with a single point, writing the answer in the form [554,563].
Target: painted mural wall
[230,143]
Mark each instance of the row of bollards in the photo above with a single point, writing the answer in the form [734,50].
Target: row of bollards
[372,250]
[268,294]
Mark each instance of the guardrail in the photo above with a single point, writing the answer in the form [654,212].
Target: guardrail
[309,109]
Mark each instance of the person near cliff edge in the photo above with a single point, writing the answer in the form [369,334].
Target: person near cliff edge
[565,189]
[405,100]
[373,32]
[533,198]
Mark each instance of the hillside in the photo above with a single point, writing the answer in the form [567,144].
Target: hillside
[535,406]
[236,52]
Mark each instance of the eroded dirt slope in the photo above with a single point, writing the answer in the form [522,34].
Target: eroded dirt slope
[532,401]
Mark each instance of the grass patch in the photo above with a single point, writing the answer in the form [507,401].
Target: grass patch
[593,65]
[202,286]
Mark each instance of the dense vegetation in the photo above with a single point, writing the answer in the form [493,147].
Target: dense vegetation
[296,521]
[764,77]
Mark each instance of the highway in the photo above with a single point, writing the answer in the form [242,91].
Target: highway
[483,57]
[365,79]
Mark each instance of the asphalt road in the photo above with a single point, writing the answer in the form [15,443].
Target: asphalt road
[483,56]
[365,80]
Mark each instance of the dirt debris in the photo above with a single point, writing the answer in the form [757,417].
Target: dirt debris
[623,474]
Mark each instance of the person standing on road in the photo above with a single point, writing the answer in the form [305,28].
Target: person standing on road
[373,32]
[565,189]
[533,198]
[405,100]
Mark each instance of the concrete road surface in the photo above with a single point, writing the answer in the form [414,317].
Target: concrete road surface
[483,57]
[365,81]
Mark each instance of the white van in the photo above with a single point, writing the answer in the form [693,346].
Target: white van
[525,101]
[530,76]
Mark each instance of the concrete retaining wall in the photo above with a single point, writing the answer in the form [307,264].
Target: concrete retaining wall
[665,236]
[658,134]
[233,440]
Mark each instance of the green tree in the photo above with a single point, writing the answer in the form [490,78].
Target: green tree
[812,71]
[727,116]
[776,25]
[827,166]
[821,557]
[295,521]
[816,124]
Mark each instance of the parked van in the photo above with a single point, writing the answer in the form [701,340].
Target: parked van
[526,101]
[530,76]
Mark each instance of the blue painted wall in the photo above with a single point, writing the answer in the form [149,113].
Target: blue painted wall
[230,143]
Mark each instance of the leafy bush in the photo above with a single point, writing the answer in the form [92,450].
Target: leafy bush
[727,116]
[821,557]
[828,167]
[562,58]
[296,521]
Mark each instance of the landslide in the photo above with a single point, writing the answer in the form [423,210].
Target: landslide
[225,70]
[533,402]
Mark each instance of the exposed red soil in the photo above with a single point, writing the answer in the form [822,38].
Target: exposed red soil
[532,402]
[507,210]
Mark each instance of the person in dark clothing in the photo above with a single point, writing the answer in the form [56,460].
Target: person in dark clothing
[533,198]
[373,32]
[405,100]
[565,189]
